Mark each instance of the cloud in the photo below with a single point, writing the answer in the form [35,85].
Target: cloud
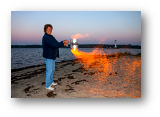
[77,36]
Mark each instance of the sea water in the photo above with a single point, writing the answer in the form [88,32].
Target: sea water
[25,57]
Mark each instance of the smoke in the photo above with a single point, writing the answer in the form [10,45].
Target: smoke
[76,36]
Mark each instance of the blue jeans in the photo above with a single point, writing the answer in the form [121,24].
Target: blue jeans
[50,68]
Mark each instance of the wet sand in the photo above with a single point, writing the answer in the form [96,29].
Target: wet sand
[121,80]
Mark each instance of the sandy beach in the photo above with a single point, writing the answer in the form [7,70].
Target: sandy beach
[121,79]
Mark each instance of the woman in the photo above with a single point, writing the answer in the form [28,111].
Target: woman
[50,52]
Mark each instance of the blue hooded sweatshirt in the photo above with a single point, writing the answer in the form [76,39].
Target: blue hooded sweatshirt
[51,46]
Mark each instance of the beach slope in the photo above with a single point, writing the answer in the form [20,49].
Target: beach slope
[121,79]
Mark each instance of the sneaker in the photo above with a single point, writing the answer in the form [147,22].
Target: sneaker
[50,88]
[54,83]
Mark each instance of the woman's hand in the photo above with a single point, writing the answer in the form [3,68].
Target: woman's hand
[65,42]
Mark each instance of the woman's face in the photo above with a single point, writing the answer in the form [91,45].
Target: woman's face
[49,30]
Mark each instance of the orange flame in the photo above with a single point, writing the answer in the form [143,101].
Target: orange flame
[113,77]
[95,59]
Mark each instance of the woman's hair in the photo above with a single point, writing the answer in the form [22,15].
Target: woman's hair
[46,26]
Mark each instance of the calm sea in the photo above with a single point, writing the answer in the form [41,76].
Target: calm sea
[25,57]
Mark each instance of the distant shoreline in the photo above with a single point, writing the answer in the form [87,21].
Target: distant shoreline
[84,46]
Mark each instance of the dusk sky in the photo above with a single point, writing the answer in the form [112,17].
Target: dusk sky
[90,27]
